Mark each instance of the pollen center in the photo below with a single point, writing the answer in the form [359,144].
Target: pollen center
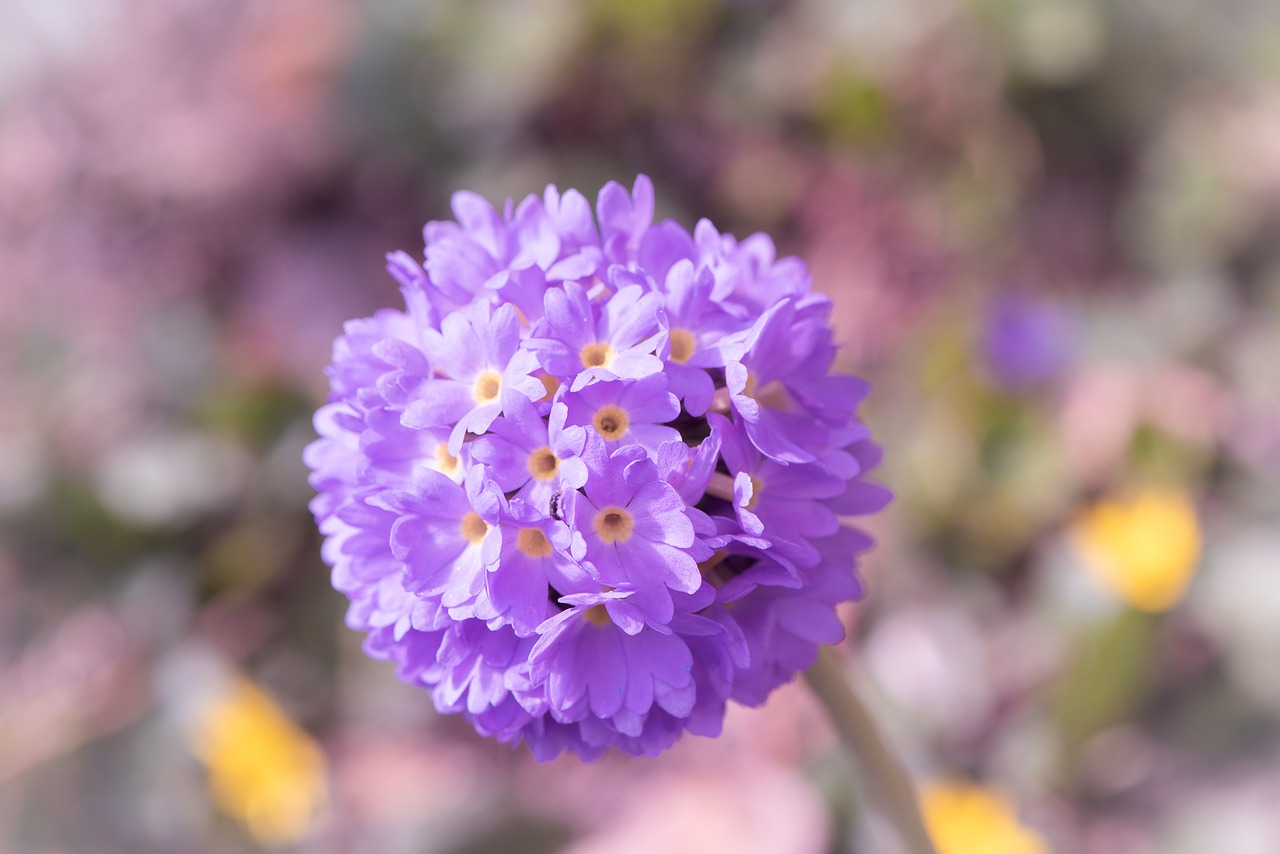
[614,525]
[533,543]
[712,562]
[543,464]
[550,384]
[772,394]
[487,386]
[682,345]
[473,527]
[446,463]
[757,486]
[597,354]
[611,422]
[596,615]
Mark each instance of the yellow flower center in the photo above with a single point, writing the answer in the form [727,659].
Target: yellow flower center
[757,485]
[550,384]
[597,354]
[683,345]
[446,463]
[533,543]
[611,422]
[473,528]
[613,525]
[596,615]
[543,464]
[772,394]
[487,386]
[708,567]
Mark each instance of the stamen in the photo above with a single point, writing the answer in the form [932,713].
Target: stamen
[772,394]
[597,354]
[683,345]
[473,528]
[611,422]
[614,524]
[487,386]
[543,464]
[712,562]
[533,543]
[721,486]
[597,615]
[757,485]
[446,463]
[551,384]
[722,402]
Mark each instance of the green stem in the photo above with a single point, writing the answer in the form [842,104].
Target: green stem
[874,761]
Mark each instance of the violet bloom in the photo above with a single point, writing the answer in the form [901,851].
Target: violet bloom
[1026,342]
[473,366]
[573,342]
[633,531]
[592,483]
[627,413]
[532,457]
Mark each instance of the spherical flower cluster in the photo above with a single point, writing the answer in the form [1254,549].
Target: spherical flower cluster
[588,486]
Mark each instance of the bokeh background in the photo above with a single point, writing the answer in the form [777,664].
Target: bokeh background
[1051,229]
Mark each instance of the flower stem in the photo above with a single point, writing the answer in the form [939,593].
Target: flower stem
[887,780]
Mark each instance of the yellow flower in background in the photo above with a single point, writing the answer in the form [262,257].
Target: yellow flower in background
[263,768]
[1144,548]
[963,818]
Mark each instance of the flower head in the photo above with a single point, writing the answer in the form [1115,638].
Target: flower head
[263,768]
[1143,547]
[590,484]
[964,817]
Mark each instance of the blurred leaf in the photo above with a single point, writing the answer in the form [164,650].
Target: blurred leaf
[854,108]
[257,416]
[654,21]
[1107,680]
[518,833]
[1157,456]
[249,555]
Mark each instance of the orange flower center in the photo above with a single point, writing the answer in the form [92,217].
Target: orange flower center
[611,422]
[683,345]
[614,525]
[533,543]
[446,463]
[487,386]
[543,464]
[550,384]
[596,615]
[597,354]
[473,528]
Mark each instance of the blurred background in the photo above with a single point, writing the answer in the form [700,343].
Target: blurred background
[1051,229]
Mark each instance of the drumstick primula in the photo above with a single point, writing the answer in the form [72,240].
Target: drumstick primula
[591,483]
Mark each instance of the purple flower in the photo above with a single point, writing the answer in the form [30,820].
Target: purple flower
[532,559]
[591,667]
[626,413]
[471,356]
[575,345]
[632,531]
[443,534]
[530,456]
[1026,342]
[590,485]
